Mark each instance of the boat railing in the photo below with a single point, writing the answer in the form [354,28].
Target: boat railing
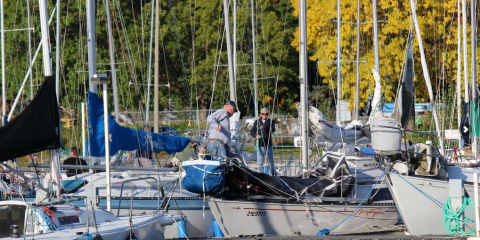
[102,167]
[166,201]
[132,180]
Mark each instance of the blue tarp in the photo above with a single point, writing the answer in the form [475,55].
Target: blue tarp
[203,176]
[123,138]
[367,151]
[70,186]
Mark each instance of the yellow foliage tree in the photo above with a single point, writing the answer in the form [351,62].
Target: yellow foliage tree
[438,26]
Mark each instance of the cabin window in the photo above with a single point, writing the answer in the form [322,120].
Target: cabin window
[68,220]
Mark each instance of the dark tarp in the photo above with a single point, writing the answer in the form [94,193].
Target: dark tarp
[241,180]
[36,128]
[123,138]
[465,125]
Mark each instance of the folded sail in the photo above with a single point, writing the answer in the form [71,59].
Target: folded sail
[331,132]
[123,138]
[36,128]
[377,96]
[404,103]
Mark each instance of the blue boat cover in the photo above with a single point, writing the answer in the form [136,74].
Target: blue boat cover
[70,186]
[204,176]
[123,138]
[367,151]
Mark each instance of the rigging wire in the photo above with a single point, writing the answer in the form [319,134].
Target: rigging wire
[218,55]
[194,73]
[124,51]
[189,94]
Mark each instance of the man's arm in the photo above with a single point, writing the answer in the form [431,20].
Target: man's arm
[273,126]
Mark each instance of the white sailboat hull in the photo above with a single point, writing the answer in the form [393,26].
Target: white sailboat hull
[421,214]
[68,222]
[150,229]
[240,218]
[198,221]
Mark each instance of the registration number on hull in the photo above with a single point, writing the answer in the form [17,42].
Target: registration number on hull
[256,214]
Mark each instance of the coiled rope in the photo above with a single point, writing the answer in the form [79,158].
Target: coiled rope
[455,221]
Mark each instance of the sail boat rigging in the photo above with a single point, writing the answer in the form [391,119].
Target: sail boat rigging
[275,201]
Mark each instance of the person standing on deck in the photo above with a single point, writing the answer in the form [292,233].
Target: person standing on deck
[218,134]
[262,131]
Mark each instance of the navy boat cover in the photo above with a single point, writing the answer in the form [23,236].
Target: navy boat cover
[204,176]
[123,138]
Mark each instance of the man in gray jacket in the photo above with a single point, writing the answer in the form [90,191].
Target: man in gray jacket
[218,133]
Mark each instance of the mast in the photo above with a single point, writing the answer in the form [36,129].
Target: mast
[254,62]
[357,84]
[57,54]
[459,75]
[111,52]
[302,18]
[465,46]
[339,64]
[92,60]
[375,36]
[233,95]
[235,38]
[92,72]
[156,69]
[426,75]
[83,130]
[473,26]
[255,79]
[149,75]
[29,48]
[4,96]
[47,66]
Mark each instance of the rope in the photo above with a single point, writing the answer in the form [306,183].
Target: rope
[88,236]
[49,213]
[454,220]
[424,193]
[325,231]
[47,219]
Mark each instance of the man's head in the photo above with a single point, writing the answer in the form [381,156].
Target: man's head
[230,107]
[74,152]
[264,113]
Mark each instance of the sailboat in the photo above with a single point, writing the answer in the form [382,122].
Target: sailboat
[427,190]
[51,219]
[137,189]
[248,203]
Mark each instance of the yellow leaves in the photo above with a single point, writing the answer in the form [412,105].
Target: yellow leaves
[267,99]
[294,106]
[437,20]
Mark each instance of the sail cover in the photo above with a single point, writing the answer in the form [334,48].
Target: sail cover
[36,128]
[123,138]
[331,132]
[404,103]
